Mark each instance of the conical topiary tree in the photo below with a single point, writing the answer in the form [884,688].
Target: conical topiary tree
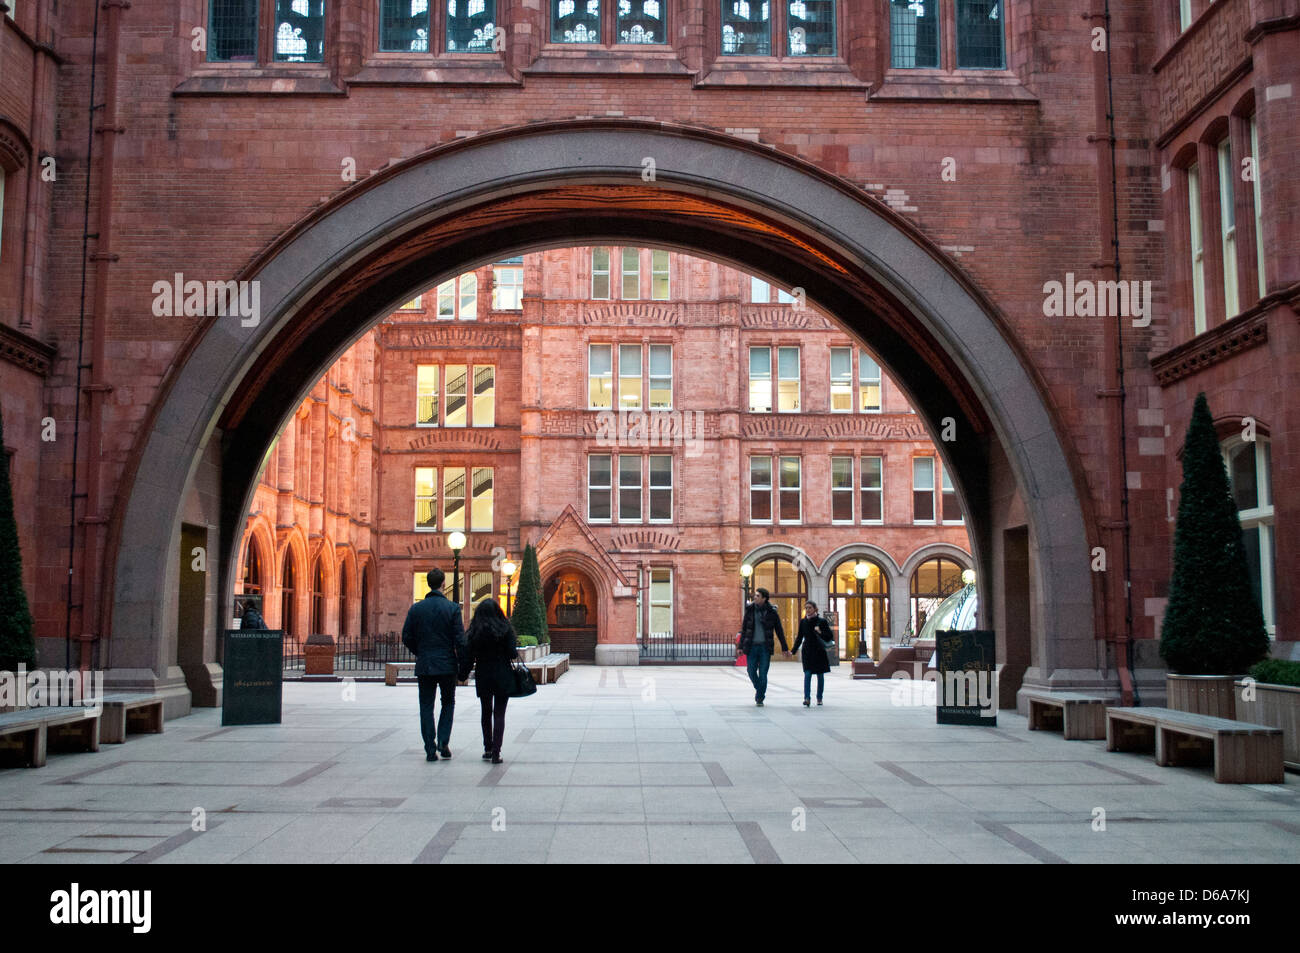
[1213,624]
[17,642]
[529,612]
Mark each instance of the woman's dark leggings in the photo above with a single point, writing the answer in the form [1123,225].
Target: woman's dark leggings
[494,721]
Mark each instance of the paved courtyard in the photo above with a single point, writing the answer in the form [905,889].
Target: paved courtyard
[632,765]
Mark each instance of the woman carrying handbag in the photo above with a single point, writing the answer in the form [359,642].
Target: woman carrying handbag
[818,642]
[492,646]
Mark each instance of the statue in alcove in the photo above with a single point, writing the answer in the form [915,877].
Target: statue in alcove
[571,610]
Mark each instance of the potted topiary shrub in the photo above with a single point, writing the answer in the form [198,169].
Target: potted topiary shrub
[529,613]
[17,638]
[1213,629]
[1271,696]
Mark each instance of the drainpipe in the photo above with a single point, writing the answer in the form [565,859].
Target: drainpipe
[1119,609]
[94,520]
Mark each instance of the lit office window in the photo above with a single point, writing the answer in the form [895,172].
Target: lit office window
[456,396]
[426,395]
[629,377]
[453,499]
[661,376]
[485,389]
[868,383]
[600,377]
[787,380]
[508,285]
[426,498]
[661,603]
[481,500]
[841,380]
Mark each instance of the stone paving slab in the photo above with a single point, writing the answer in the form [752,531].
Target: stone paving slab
[633,765]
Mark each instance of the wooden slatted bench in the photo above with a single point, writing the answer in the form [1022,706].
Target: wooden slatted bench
[393,669]
[125,710]
[33,727]
[1243,753]
[1082,717]
[549,668]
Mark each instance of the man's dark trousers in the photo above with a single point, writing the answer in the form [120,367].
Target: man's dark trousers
[436,738]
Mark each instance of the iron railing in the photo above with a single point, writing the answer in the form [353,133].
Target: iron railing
[694,648]
[353,654]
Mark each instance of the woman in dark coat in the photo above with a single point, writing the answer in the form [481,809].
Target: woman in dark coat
[492,645]
[814,632]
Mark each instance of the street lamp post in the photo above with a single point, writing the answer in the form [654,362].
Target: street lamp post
[456,541]
[746,572]
[508,568]
[861,570]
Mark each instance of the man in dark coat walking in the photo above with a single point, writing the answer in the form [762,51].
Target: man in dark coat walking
[435,634]
[761,622]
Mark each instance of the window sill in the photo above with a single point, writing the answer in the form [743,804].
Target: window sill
[763,71]
[625,61]
[997,86]
[468,69]
[237,79]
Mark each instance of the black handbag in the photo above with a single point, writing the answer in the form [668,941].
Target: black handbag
[523,684]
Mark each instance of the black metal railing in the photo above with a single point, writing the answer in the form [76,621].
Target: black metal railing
[697,648]
[354,654]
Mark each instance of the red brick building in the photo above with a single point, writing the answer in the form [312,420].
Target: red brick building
[572,399]
[932,173]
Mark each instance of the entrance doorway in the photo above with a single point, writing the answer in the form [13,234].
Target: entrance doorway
[571,614]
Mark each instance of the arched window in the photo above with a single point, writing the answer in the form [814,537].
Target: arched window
[862,607]
[788,590]
[932,582]
[252,569]
[318,598]
[343,599]
[1250,464]
[286,596]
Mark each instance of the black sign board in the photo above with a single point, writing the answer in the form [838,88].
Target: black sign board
[254,672]
[967,690]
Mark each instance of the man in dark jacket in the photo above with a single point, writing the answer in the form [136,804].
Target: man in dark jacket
[761,622]
[435,634]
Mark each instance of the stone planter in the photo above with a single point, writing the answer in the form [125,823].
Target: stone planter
[1202,694]
[318,655]
[1279,707]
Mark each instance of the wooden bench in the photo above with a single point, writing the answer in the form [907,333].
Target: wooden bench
[393,669]
[1243,753]
[34,726]
[549,668]
[1081,716]
[124,710]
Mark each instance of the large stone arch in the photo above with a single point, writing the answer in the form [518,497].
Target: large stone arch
[559,184]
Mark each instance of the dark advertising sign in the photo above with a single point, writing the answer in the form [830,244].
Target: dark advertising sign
[254,671]
[967,675]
